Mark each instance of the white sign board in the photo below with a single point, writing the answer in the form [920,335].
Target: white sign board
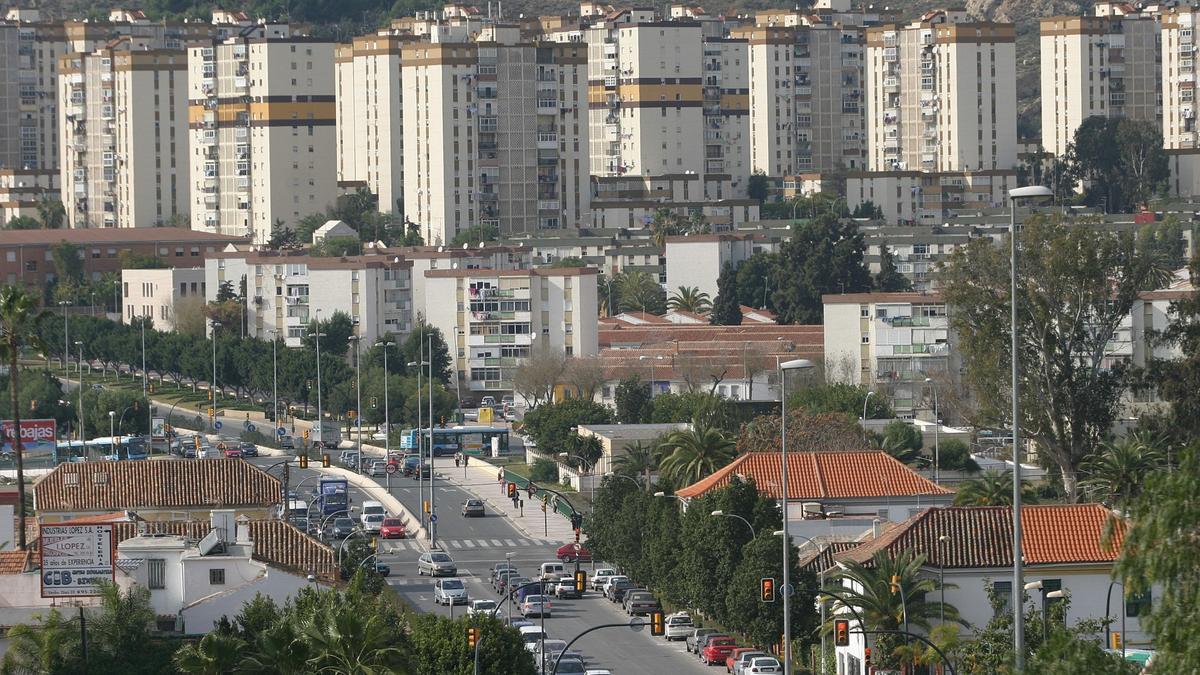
[75,558]
[158,428]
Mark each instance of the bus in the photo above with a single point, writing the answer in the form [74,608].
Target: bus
[101,448]
[476,440]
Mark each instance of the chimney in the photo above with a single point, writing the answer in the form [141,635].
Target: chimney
[243,530]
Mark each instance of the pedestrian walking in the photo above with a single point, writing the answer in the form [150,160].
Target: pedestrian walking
[457,460]
[465,458]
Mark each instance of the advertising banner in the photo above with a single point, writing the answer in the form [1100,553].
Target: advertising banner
[38,438]
[74,558]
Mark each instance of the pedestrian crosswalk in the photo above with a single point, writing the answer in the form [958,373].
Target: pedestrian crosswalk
[461,544]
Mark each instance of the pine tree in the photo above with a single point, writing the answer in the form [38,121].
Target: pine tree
[726,310]
[889,278]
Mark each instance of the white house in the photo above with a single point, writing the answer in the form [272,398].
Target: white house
[156,293]
[970,548]
[333,229]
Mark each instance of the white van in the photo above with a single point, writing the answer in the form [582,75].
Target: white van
[370,508]
[553,571]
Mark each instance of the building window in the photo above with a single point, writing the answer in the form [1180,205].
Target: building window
[216,576]
[156,573]
[1003,593]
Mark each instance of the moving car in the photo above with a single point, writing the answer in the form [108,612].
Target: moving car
[449,592]
[536,605]
[435,564]
[531,635]
[482,607]
[472,507]
[342,527]
[410,465]
[678,626]
[378,468]
[600,577]
[568,553]
[380,568]
[232,451]
[286,443]
[569,665]
[248,449]
[372,523]
[551,571]
[717,650]
[425,472]
[501,577]
[497,569]
[392,528]
[536,588]
[566,589]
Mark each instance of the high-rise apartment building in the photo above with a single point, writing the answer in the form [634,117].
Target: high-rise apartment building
[1106,65]
[495,133]
[370,133]
[727,146]
[124,136]
[10,139]
[261,118]
[1180,137]
[941,95]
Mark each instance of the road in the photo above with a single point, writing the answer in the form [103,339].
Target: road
[477,544]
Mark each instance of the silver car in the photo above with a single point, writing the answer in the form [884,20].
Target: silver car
[436,564]
[449,592]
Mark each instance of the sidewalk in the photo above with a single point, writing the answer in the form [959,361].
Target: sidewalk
[479,479]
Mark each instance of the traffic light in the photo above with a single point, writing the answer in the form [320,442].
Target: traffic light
[895,584]
[210,394]
[576,523]
[1115,639]
[577,535]
[425,506]
[211,411]
[196,441]
[33,405]
[352,414]
[303,461]
[543,506]
[766,587]
[306,435]
[841,633]
[443,422]
[867,657]
[472,636]
[658,625]
[375,543]
[325,460]
[512,490]
[151,387]
[580,581]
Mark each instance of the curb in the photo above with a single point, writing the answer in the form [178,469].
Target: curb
[412,527]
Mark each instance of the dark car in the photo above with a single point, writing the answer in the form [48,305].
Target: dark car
[410,465]
[285,443]
[472,507]
[617,589]
[341,528]
[248,449]
[380,569]
[426,472]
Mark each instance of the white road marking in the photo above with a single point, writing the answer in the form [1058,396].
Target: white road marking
[497,542]
[469,543]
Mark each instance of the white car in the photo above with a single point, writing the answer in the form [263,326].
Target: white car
[610,580]
[531,635]
[536,605]
[600,577]
[371,522]
[763,665]
[449,592]
[550,647]
[482,607]
[598,672]
[678,626]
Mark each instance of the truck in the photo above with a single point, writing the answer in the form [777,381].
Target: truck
[329,434]
[333,495]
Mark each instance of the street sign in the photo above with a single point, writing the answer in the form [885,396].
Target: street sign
[251,428]
[789,590]
[217,424]
[578,547]
[280,431]
[74,558]
[391,468]
[433,517]
[637,623]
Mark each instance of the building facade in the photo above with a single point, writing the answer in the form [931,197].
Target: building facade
[261,121]
[370,118]
[21,191]
[124,137]
[156,294]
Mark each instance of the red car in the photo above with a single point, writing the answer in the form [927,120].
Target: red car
[231,451]
[392,528]
[569,553]
[716,651]
[733,657]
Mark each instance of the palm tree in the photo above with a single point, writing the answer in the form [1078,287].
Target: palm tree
[871,594]
[278,651]
[19,320]
[689,455]
[215,654]
[690,299]
[343,640]
[639,292]
[51,212]
[639,460]
[993,488]
[48,647]
[665,223]
[900,450]
[1116,474]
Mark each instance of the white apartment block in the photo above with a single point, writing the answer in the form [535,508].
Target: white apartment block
[22,190]
[941,95]
[261,117]
[727,138]
[470,257]
[496,134]
[632,201]
[697,260]
[287,292]
[370,132]
[10,139]
[888,343]
[156,294]
[1179,98]
[124,136]
[498,317]
[928,197]
[1106,65]
[806,96]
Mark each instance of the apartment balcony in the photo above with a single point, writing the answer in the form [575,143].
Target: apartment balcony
[241,83]
[547,106]
[547,141]
[890,54]
[891,84]
[714,166]
[548,205]
[241,133]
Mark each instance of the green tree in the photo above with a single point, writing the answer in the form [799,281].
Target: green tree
[535,378]
[1078,285]
[354,557]
[665,223]
[475,234]
[19,319]
[568,262]
[634,400]
[51,213]
[992,488]
[955,455]
[639,459]
[692,454]
[347,640]
[23,223]
[1115,475]
[726,309]
[689,299]
[131,260]
[901,435]
[756,279]
[214,654]
[439,645]
[758,186]
[543,470]
[337,247]
[698,407]
[1067,653]
[806,432]
[424,340]
[336,332]
[549,425]
[68,263]
[640,292]
[50,645]
[840,398]
[1160,548]
[307,225]
[282,237]
[889,279]
[1121,161]
[760,621]
[1178,379]
[824,255]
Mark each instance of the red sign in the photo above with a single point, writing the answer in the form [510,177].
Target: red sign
[37,437]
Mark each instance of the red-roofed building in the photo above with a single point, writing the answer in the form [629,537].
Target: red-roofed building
[834,495]
[1064,546]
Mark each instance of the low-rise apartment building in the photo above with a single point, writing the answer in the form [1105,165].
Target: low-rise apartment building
[928,196]
[286,292]
[632,201]
[697,260]
[157,294]
[22,190]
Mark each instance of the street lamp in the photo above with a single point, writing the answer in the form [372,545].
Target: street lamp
[420,452]
[66,336]
[667,496]
[317,335]
[865,399]
[275,378]
[111,433]
[1030,192]
[213,385]
[387,422]
[937,423]
[794,364]
[720,513]
[82,429]
[942,574]
[358,392]
[651,359]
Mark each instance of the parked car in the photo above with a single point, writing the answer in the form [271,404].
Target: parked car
[498,581]
[378,468]
[436,564]
[733,657]
[248,449]
[472,508]
[232,451]
[762,665]
[696,640]
[536,605]
[535,588]
[566,589]
[600,577]
[717,650]
[678,626]
[350,459]
[207,452]
[497,569]
[609,581]
[743,657]
[617,589]
[631,595]
[286,443]
[482,607]
[568,553]
[392,528]
[449,592]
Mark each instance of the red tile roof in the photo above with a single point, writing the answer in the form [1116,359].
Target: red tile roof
[89,487]
[14,562]
[275,542]
[981,536]
[823,475]
[119,235]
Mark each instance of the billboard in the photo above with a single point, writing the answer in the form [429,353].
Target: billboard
[38,438]
[158,428]
[74,558]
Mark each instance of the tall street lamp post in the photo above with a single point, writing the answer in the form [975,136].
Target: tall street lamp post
[794,364]
[937,425]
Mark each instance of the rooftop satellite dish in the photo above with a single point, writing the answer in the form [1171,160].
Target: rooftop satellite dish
[441,248]
[396,259]
[466,246]
[481,244]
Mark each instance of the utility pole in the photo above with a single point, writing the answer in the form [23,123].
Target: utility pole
[432,498]
[83,634]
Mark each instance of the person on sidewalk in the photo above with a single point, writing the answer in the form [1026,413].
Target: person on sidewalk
[465,458]
[457,460]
